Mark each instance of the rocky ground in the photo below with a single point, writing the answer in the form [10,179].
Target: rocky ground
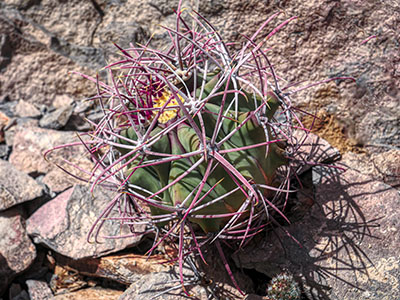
[347,223]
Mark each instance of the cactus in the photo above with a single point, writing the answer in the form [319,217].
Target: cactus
[196,139]
[283,287]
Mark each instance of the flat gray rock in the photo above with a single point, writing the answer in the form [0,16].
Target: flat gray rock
[56,119]
[63,224]
[15,186]
[38,290]
[17,252]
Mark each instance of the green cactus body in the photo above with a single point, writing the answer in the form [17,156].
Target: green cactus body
[257,165]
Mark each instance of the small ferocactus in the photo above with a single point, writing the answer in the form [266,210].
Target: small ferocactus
[283,287]
[197,140]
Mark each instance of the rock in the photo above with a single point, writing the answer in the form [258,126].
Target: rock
[46,76]
[122,33]
[16,125]
[384,166]
[312,150]
[38,290]
[165,284]
[63,224]
[83,55]
[347,244]
[61,101]
[123,268]
[93,293]
[15,292]
[83,106]
[4,119]
[56,119]
[4,99]
[58,181]
[4,151]
[16,187]
[31,143]
[5,51]
[26,110]
[17,252]
[162,285]
[378,128]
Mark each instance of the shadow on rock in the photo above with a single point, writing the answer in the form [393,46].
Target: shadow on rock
[343,247]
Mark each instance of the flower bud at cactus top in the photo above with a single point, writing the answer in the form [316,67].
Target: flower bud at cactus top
[233,139]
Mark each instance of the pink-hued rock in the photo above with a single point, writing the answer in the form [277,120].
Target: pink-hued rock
[31,143]
[63,223]
[17,252]
[51,218]
[15,186]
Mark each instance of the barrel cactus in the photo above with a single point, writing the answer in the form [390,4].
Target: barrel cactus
[197,139]
[283,287]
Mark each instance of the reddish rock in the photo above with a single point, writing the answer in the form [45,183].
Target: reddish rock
[17,252]
[63,224]
[15,186]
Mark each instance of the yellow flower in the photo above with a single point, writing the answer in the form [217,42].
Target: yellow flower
[168,113]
